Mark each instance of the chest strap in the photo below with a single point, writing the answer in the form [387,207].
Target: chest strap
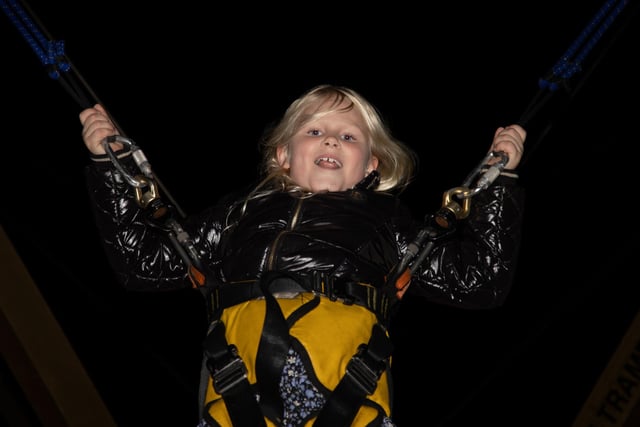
[348,292]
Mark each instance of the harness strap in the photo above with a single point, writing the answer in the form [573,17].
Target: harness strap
[350,292]
[360,380]
[272,351]
[230,379]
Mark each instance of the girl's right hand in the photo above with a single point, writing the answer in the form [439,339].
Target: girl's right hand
[96,126]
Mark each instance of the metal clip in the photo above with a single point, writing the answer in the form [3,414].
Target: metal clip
[460,211]
[144,199]
[493,171]
[490,173]
[230,374]
[138,157]
[363,375]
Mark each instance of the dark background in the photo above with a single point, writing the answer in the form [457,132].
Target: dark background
[195,87]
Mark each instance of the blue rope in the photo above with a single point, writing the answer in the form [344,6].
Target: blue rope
[565,68]
[50,52]
[569,64]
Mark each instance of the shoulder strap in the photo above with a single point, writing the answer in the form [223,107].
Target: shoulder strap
[360,380]
[230,379]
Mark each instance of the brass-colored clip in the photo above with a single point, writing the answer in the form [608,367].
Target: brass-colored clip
[149,196]
[460,211]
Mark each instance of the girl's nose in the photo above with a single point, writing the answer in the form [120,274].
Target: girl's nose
[331,140]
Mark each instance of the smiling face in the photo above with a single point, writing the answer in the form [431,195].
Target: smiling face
[331,152]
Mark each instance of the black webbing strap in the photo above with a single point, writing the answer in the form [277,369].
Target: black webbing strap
[272,350]
[229,376]
[360,380]
[350,292]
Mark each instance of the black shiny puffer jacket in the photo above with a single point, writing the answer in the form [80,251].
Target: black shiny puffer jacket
[356,235]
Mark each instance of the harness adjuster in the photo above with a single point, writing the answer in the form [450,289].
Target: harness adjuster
[364,370]
[229,375]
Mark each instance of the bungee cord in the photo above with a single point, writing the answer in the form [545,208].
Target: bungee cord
[565,68]
[456,201]
[50,52]
[59,67]
[557,78]
[569,64]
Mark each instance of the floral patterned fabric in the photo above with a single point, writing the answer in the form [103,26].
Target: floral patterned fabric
[300,397]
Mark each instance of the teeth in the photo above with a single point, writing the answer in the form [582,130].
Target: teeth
[328,159]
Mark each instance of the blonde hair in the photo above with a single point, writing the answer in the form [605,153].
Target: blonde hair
[396,161]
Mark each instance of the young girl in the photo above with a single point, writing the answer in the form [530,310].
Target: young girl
[298,270]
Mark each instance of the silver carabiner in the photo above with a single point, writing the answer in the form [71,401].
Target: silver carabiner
[138,157]
[488,174]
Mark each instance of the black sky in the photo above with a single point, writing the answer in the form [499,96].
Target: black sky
[195,88]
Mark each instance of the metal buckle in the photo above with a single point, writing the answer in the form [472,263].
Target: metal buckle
[365,377]
[230,374]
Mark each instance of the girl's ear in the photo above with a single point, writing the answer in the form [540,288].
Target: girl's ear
[282,154]
[373,165]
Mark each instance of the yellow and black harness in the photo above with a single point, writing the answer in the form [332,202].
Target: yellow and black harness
[284,322]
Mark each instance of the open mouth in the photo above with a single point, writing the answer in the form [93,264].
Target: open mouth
[328,162]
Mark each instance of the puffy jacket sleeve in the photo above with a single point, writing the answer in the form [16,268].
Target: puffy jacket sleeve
[142,255]
[474,266]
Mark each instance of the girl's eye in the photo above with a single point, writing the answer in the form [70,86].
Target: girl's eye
[314,132]
[348,138]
